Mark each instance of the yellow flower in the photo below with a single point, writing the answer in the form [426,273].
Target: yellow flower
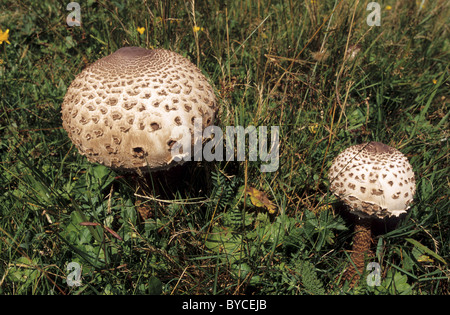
[434,81]
[421,4]
[4,36]
[388,7]
[313,128]
[197,28]
[141,30]
[323,208]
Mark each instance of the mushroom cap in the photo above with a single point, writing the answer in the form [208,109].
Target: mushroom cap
[121,111]
[373,179]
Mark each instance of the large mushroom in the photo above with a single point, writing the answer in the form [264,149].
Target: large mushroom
[375,181]
[121,110]
[135,111]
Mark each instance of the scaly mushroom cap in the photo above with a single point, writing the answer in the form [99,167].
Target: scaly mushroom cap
[121,110]
[373,179]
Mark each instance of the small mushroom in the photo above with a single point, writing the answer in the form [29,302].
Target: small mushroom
[121,110]
[375,181]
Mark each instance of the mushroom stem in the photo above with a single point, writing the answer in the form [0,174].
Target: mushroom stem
[362,241]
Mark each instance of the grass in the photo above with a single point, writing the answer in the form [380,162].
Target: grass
[272,63]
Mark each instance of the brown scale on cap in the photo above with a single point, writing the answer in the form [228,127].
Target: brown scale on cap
[121,110]
[373,179]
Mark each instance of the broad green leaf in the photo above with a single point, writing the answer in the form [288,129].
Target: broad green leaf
[425,250]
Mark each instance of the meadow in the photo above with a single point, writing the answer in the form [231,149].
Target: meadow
[316,69]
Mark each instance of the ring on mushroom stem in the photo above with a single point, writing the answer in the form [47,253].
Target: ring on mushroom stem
[374,180]
[120,111]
